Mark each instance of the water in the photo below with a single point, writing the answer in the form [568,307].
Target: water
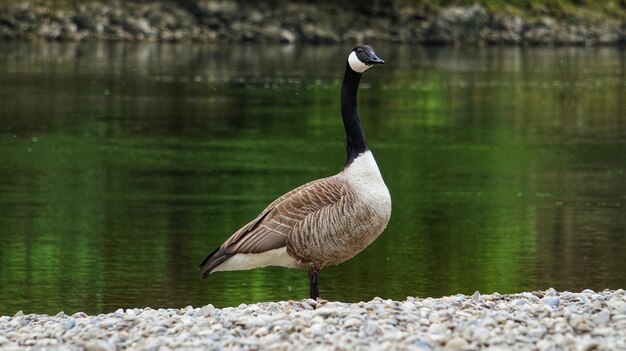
[123,165]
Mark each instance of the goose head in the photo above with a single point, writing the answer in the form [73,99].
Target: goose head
[363,57]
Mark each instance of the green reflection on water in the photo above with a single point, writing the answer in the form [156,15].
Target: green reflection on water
[122,166]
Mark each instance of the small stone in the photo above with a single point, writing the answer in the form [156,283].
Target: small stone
[98,345]
[204,311]
[437,328]
[584,299]
[261,332]
[129,317]
[119,313]
[70,323]
[13,336]
[440,316]
[437,339]
[352,323]
[553,301]
[521,302]
[456,343]
[152,344]
[423,346]
[318,329]
[325,311]
[589,345]
[371,328]
[544,345]
[618,317]
[537,333]
[476,296]
[602,331]
[580,325]
[602,317]
[306,306]
[108,322]
[481,335]
[148,313]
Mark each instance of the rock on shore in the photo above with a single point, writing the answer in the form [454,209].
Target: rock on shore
[541,320]
[289,22]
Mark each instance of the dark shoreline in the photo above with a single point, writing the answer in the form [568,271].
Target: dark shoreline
[296,22]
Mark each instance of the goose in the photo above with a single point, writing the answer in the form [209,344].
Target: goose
[323,222]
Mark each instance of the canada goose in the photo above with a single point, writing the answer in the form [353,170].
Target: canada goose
[324,222]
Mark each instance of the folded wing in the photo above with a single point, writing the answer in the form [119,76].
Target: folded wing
[272,228]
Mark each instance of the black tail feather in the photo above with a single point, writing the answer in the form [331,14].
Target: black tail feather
[213,260]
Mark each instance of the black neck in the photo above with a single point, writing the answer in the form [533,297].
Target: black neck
[355,139]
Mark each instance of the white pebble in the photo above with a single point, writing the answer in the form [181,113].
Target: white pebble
[119,313]
[370,328]
[98,345]
[553,301]
[602,317]
[318,329]
[70,323]
[456,343]
[325,311]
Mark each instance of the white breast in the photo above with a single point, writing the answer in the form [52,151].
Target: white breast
[363,175]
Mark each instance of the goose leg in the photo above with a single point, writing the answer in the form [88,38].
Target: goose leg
[313,280]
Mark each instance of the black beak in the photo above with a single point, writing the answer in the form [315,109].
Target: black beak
[375,60]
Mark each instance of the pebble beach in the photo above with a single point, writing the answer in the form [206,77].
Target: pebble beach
[540,320]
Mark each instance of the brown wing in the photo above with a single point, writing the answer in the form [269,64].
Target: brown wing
[271,229]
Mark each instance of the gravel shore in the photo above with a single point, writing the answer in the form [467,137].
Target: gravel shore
[541,320]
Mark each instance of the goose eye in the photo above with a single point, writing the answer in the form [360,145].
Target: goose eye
[359,51]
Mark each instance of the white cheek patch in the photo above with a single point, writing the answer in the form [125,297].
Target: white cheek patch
[356,64]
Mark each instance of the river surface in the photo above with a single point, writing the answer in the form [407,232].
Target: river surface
[123,165]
